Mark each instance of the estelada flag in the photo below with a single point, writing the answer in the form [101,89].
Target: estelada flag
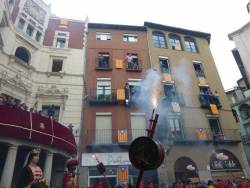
[122,135]
[123,173]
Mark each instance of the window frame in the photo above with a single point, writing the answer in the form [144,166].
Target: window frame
[127,36]
[161,41]
[61,35]
[31,26]
[188,45]
[201,68]
[168,64]
[54,61]
[18,23]
[172,41]
[100,34]
[219,132]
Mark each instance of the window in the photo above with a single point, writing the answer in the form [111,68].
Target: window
[130,38]
[159,40]
[103,89]
[38,36]
[132,61]
[30,30]
[103,36]
[60,42]
[198,70]
[174,42]
[205,90]
[175,128]
[21,23]
[51,111]
[103,60]
[244,111]
[164,65]
[215,127]
[103,129]
[57,65]
[133,92]
[190,45]
[138,125]
[22,54]
[170,92]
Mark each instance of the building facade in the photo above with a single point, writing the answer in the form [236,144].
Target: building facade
[240,102]
[41,67]
[195,116]
[117,61]
[203,122]
[241,52]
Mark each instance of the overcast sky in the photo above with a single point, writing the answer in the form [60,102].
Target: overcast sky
[218,17]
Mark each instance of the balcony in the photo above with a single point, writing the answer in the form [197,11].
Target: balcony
[206,100]
[121,139]
[104,65]
[246,139]
[102,97]
[134,66]
[17,123]
[207,135]
[112,137]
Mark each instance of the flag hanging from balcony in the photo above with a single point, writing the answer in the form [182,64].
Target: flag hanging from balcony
[118,64]
[214,109]
[120,94]
[123,173]
[176,107]
[202,81]
[201,134]
[122,135]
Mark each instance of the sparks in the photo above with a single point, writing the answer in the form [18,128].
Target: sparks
[154,101]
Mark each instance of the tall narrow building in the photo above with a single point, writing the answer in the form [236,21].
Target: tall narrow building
[117,61]
[199,122]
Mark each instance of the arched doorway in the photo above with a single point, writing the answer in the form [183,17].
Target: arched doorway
[223,164]
[185,169]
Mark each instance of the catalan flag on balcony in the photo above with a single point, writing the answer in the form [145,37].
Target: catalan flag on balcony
[202,81]
[120,94]
[123,173]
[122,135]
[214,109]
[167,77]
[201,134]
[118,64]
[176,107]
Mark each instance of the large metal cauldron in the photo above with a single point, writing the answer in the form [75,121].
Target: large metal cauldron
[146,153]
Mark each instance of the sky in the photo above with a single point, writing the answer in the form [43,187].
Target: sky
[218,17]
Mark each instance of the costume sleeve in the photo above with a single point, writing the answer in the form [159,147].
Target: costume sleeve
[24,178]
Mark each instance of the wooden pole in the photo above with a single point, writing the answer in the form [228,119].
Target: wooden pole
[151,131]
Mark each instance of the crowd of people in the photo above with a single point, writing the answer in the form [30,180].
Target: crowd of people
[219,183]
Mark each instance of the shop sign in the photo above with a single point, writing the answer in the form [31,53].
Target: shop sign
[108,159]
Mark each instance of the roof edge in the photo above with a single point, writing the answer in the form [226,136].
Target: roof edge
[116,26]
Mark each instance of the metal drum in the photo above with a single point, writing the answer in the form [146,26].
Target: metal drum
[146,153]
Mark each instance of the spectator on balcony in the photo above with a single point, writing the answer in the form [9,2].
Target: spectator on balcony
[127,93]
[103,63]
[51,111]
[130,61]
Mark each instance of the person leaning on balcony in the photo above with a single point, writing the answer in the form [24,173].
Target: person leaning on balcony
[129,60]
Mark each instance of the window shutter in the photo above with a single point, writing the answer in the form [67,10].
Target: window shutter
[103,129]
[138,126]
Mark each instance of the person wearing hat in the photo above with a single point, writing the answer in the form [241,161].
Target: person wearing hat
[70,178]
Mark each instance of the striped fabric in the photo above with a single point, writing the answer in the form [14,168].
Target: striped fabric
[122,135]
[123,173]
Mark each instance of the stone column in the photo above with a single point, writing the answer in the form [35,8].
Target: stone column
[48,167]
[9,166]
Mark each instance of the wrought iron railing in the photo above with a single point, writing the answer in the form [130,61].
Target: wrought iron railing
[206,100]
[102,96]
[115,136]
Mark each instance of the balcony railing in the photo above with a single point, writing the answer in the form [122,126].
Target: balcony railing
[111,137]
[102,96]
[200,74]
[206,100]
[246,138]
[135,66]
[103,65]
